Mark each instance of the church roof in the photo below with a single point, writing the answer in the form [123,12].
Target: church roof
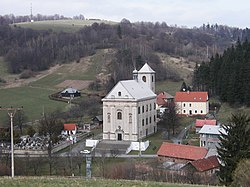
[130,90]
[146,69]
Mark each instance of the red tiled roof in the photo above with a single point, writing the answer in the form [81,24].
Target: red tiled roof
[69,127]
[191,96]
[180,151]
[206,164]
[202,122]
[161,98]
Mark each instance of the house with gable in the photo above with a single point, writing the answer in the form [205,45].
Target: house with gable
[192,103]
[209,136]
[129,109]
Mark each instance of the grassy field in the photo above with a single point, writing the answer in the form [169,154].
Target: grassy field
[60,181]
[61,25]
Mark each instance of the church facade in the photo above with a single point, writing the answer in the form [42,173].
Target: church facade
[129,109]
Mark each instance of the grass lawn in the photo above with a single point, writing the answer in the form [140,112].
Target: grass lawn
[168,86]
[64,181]
[34,100]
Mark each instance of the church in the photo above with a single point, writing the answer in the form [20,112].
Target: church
[129,109]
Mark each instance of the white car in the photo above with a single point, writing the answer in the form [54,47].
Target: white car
[85,152]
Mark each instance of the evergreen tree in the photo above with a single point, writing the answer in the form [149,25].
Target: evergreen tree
[234,145]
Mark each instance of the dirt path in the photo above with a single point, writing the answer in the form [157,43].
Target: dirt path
[22,82]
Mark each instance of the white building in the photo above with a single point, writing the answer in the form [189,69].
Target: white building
[192,103]
[209,136]
[129,109]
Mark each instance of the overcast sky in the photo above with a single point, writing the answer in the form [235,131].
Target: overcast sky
[188,13]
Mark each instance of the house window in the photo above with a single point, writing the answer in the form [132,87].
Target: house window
[139,110]
[146,121]
[184,111]
[144,78]
[119,93]
[184,105]
[201,111]
[143,122]
[130,118]
[142,109]
[150,120]
[119,115]
[108,117]
[195,111]
[190,105]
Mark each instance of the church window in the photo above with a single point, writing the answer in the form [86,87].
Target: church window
[154,106]
[146,121]
[143,122]
[108,117]
[150,107]
[152,78]
[150,120]
[130,118]
[146,108]
[139,110]
[154,118]
[119,93]
[144,78]
[119,115]
[142,109]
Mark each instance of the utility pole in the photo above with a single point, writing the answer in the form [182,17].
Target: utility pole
[11,112]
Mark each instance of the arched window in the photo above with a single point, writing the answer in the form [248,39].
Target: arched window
[119,115]
[119,93]
[139,110]
[144,78]
[130,118]
[143,122]
[108,117]
[152,78]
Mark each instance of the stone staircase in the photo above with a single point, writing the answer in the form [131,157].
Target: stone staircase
[112,148]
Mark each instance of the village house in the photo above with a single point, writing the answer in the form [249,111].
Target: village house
[192,103]
[69,129]
[199,123]
[70,93]
[204,166]
[163,99]
[129,109]
[179,153]
[209,136]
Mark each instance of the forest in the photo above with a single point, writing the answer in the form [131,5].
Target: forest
[227,75]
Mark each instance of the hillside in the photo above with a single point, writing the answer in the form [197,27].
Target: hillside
[60,25]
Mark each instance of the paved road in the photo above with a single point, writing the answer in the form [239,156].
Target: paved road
[181,135]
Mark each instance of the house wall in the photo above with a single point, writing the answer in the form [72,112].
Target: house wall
[192,108]
[131,125]
[210,141]
[172,159]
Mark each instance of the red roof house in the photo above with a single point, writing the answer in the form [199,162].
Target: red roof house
[163,98]
[206,165]
[201,122]
[69,129]
[180,153]
[192,103]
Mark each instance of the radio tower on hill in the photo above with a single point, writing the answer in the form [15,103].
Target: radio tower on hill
[31,16]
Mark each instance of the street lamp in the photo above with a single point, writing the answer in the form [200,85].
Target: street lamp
[11,113]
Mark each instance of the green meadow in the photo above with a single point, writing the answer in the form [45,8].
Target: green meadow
[61,25]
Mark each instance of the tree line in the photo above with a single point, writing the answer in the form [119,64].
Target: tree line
[227,75]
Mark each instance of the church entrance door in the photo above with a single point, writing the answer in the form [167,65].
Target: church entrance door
[119,135]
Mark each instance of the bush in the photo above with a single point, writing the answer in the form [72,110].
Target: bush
[26,74]
[2,80]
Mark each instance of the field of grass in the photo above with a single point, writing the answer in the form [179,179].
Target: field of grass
[61,25]
[170,87]
[63,181]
